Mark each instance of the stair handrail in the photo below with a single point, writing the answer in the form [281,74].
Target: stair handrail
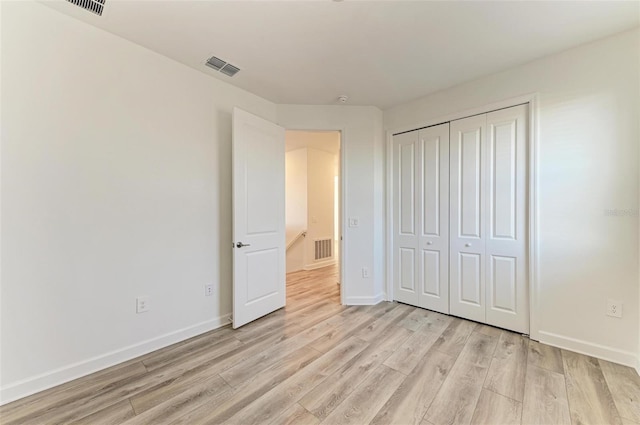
[301,234]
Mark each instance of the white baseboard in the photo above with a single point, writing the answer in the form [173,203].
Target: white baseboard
[603,352]
[320,264]
[77,370]
[365,300]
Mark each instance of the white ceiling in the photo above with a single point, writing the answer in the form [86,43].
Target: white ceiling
[378,53]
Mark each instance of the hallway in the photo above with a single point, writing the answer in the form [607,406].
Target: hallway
[305,287]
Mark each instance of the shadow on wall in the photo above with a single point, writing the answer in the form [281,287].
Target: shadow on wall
[224,220]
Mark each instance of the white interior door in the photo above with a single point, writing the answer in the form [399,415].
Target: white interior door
[506,262]
[406,211]
[488,263]
[421,211]
[259,283]
[467,241]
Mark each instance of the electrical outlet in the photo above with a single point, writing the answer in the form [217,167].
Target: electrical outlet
[208,289]
[142,304]
[614,308]
[365,272]
[354,222]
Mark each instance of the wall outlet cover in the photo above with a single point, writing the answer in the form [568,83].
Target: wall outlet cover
[142,304]
[614,308]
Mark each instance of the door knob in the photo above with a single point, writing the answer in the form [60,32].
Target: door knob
[429,243]
[240,244]
[467,245]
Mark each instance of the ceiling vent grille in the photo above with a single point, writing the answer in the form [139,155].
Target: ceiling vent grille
[230,70]
[93,6]
[222,66]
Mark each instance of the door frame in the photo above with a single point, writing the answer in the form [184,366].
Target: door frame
[343,205]
[532,187]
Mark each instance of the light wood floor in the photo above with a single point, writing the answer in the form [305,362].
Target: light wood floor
[319,362]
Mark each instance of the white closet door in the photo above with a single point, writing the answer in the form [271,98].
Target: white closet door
[421,224]
[468,223]
[406,241]
[506,205]
[433,218]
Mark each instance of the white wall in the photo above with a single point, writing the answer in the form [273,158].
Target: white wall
[588,137]
[296,192]
[115,183]
[310,204]
[296,206]
[362,150]
[320,175]
[295,260]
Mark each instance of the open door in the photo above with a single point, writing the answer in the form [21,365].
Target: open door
[259,248]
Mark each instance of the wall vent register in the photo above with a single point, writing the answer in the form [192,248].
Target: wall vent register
[93,6]
[322,249]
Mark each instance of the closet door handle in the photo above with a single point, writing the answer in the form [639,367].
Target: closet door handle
[467,245]
[429,243]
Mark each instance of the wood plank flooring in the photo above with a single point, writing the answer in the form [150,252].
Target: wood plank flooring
[317,362]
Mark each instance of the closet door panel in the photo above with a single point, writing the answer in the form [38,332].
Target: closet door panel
[432,276]
[406,212]
[469,176]
[469,281]
[406,189]
[503,181]
[507,291]
[407,270]
[503,283]
[434,218]
[431,193]
[467,196]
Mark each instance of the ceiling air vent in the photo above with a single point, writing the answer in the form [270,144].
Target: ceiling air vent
[93,6]
[229,70]
[215,63]
[222,66]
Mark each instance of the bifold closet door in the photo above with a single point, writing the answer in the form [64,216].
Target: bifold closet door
[506,244]
[421,223]
[468,180]
[488,270]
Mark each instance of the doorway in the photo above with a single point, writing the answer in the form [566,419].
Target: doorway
[259,220]
[313,214]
